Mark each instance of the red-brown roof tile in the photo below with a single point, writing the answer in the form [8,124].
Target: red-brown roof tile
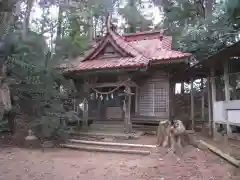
[139,50]
[163,54]
[106,63]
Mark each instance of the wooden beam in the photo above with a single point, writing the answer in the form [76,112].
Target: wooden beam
[227,94]
[192,105]
[221,154]
[113,84]
[107,70]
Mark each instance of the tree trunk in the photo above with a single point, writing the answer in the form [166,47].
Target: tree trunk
[7,20]
[90,26]
[209,7]
[59,26]
[27,17]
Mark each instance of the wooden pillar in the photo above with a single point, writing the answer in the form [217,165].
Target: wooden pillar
[202,101]
[171,102]
[213,88]
[227,95]
[209,107]
[129,123]
[127,110]
[192,105]
[85,101]
[137,101]
[182,87]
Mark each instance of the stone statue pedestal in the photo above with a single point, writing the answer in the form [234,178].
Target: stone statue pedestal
[31,140]
[30,136]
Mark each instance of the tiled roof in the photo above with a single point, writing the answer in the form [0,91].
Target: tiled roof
[106,63]
[163,54]
[139,50]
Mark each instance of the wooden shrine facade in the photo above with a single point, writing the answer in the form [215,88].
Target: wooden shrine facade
[127,77]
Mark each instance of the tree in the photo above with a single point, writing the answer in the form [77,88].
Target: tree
[135,20]
[197,31]
[27,56]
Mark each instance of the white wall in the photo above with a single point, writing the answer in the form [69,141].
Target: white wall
[218,111]
[233,116]
[229,110]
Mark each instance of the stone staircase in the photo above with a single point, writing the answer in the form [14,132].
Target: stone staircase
[109,136]
[106,137]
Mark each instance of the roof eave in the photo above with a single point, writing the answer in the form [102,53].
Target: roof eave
[170,60]
[105,70]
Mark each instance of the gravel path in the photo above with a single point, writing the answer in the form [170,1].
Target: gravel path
[59,164]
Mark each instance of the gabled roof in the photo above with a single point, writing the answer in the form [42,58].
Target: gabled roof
[136,50]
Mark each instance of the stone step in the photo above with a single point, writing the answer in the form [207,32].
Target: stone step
[102,143]
[121,126]
[94,148]
[105,134]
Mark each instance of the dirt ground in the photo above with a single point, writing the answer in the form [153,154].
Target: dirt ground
[60,164]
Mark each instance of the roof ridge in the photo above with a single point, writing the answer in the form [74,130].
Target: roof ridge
[112,33]
[119,40]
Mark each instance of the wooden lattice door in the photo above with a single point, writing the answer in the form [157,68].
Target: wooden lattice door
[160,100]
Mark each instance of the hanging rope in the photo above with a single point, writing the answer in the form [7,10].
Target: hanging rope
[110,92]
